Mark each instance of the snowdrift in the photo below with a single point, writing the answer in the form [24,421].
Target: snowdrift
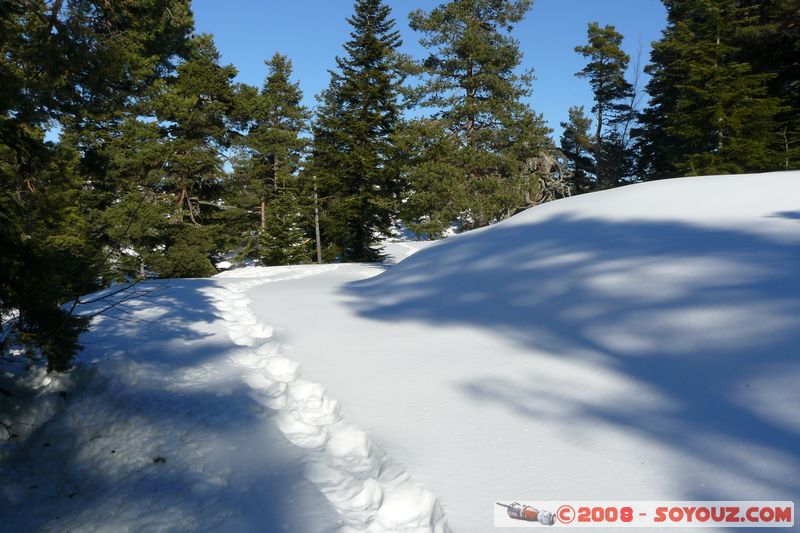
[639,343]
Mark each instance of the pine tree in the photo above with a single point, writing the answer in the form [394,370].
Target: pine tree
[606,74]
[771,45]
[193,111]
[474,90]
[709,111]
[576,145]
[436,189]
[274,149]
[352,155]
[77,64]
[283,240]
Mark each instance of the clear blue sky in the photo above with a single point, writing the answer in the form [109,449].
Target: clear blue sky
[311,33]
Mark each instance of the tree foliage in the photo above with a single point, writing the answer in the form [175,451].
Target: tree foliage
[613,108]
[710,110]
[353,154]
[273,150]
[128,150]
[77,64]
[484,134]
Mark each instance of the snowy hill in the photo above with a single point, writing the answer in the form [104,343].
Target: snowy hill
[633,344]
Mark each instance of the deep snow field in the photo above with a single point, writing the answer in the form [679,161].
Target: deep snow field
[635,344]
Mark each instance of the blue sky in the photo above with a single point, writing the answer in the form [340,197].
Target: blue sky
[311,33]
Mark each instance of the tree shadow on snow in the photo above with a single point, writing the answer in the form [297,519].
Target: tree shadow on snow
[704,319]
[162,391]
[793,215]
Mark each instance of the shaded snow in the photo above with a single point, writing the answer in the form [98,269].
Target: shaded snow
[162,436]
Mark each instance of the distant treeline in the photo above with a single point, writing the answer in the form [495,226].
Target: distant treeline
[164,166]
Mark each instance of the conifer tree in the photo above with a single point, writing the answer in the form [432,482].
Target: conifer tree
[436,195]
[606,74]
[576,145]
[474,91]
[78,64]
[193,110]
[352,156]
[283,240]
[709,111]
[771,45]
[274,149]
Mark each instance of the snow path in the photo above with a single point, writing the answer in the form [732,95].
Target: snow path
[366,488]
[158,435]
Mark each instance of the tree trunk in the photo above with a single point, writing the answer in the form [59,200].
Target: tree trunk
[720,119]
[470,98]
[316,223]
[598,145]
[189,205]
[180,206]
[275,171]
[263,214]
[786,149]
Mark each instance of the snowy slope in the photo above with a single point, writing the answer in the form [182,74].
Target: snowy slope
[639,343]
[634,344]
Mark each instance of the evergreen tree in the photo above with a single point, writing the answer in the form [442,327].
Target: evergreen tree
[576,145]
[274,150]
[709,111]
[193,111]
[283,240]
[78,64]
[352,157]
[771,45]
[606,74]
[475,92]
[436,195]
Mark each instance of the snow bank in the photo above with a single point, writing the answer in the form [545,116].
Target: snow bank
[633,344]
[637,343]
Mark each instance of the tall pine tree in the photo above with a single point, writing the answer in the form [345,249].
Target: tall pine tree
[772,46]
[193,110]
[77,64]
[474,90]
[274,152]
[352,158]
[612,92]
[576,145]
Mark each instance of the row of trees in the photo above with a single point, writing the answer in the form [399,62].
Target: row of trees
[724,94]
[164,165]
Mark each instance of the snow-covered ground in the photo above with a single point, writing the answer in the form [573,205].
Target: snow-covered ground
[633,344]
[161,435]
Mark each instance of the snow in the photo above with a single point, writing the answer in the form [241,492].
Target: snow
[161,435]
[367,490]
[398,250]
[632,344]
